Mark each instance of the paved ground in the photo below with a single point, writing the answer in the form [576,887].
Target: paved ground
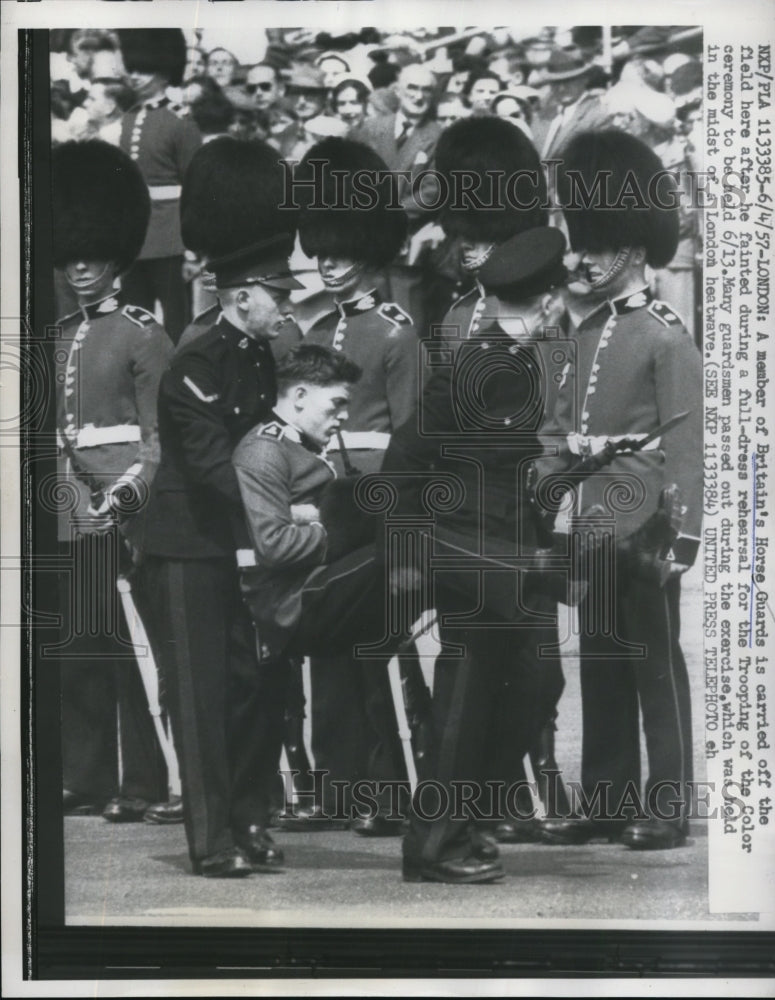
[140,874]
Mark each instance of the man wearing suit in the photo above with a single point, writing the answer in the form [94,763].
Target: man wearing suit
[227,716]
[406,141]
[580,109]
[636,367]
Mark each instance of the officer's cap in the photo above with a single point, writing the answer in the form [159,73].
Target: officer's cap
[509,180]
[101,204]
[154,50]
[615,193]
[262,263]
[528,264]
[338,218]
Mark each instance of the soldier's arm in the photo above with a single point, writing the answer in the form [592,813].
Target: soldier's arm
[678,378]
[150,357]
[264,477]
[191,393]
[401,363]
[188,141]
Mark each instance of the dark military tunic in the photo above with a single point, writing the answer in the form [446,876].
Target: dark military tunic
[226,714]
[636,367]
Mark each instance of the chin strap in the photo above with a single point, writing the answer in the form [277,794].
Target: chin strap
[618,264]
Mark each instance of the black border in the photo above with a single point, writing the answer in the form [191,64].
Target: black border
[53,951]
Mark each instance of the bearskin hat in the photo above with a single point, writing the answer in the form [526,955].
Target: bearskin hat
[500,167]
[100,205]
[234,195]
[154,50]
[341,216]
[616,193]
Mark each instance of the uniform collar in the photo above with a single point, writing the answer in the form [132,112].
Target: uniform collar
[104,306]
[613,307]
[292,433]
[157,102]
[631,302]
[243,340]
[362,304]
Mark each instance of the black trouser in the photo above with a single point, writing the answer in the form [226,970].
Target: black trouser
[618,680]
[100,675]
[531,689]
[227,712]
[478,695]
[354,726]
[160,278]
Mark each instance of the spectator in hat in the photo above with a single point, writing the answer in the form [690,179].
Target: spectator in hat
[162,144]
[307,91]
[579,109]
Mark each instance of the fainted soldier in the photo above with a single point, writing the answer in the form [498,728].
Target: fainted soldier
[227,715]
[354,727]
[109,362]
[162,143]
[482,147]
[636,367]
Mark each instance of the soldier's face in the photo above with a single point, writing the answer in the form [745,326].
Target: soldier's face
[264,310]
[321,410]
[474,253]
[340,275]
[91,280]
[610,271]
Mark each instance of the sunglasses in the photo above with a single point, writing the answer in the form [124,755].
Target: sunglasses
[251,88]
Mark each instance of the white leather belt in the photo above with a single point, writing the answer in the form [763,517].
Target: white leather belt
[364,440]
[581,444]
[92,437]
[246,558]
[164,192]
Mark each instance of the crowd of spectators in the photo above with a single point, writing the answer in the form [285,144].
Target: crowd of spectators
[304,87]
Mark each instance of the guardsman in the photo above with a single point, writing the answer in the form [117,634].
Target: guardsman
[227,715]
[162,144]
[636,367]
[109,363]
[353,246]
[477,432]
[477,146]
